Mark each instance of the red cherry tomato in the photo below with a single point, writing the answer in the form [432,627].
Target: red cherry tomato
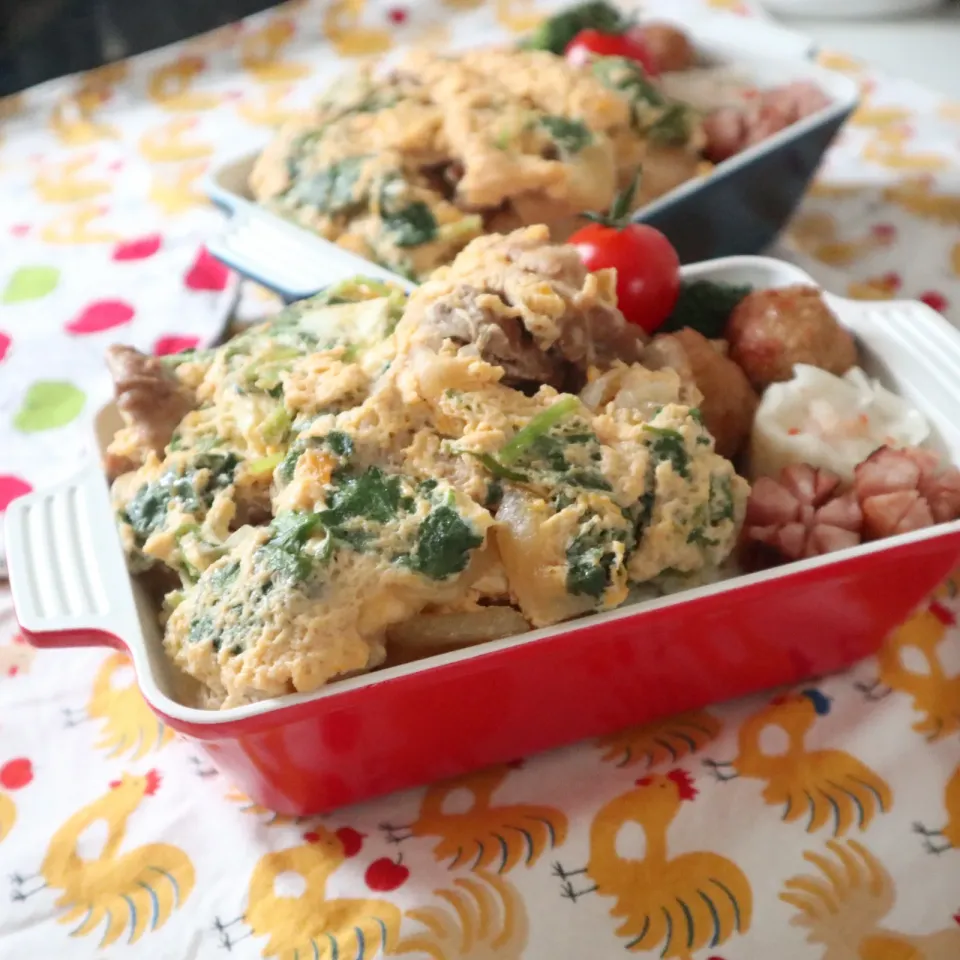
[593,43]
[648,268]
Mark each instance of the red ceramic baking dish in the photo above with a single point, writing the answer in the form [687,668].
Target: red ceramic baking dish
[491,703]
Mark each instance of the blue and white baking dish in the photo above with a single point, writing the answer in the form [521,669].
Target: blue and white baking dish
[739,208]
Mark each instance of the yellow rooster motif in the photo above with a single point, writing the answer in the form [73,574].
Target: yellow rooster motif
[267,109]
[520,16]
[477,833]
[818,235]
[918,195]
[909,662]
[484,918]
[681,903]
[170,86]
[948,836]
[664,741]
[868,115]
[342,27]
[64,182]
[73,117]
[169,142]
[887,150]
[950,111]
[883,287]
[839,62]
[261,53]
[176,191]
[287,903]
[266,816]
[844,904]
[128,724]
[77,226]
[134,891]
[819,784]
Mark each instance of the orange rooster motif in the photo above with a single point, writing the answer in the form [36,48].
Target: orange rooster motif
[884,287]
[66,182]
[844,904]
[822,785]
[171,142]
[948,836]
[681,903]
[171,86]
[176,191]
[269,818]
[287,903]
[342,21]
[919,196]
[818,235]
[887,149]
[73,119]
[484,918]
[134,891]
[77,226]
[520,16]
[665,741]
[261,53]
[267,108]
[477,833]
[910,663]
[127,723]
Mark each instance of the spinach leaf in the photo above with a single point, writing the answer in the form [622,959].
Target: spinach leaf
[557,31]
[668,445]
[570,136]
[332,190]
[627,76]
[590,560]
[372,495]
[704,306]
[411,226]
[444,543]
[283,552]
[201,628]
[673,127]
[150,504]
[721,500]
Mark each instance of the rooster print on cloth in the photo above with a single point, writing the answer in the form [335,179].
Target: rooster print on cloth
[127,893]
[665,741]
[678,904]
[289,903]
[844,904]
[911,662]
[477,832]
[128,727]
[827,787]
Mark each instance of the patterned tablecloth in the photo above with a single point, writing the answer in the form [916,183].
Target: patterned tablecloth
[820,823]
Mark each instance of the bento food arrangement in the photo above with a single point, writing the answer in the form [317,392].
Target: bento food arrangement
[405,167]
[369,478]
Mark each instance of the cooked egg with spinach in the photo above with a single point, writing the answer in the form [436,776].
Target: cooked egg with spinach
[488,455]
[408,167]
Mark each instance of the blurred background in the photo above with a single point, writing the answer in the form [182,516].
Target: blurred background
[42,39]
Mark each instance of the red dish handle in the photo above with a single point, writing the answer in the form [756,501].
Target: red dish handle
[79,637]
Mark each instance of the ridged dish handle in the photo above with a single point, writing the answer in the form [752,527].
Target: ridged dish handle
[754,35]
[285,258]
[67,574]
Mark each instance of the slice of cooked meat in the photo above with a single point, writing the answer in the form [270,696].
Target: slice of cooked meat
[528,306]
[150,398]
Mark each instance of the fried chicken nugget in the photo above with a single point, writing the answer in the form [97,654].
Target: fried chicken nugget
[771,330]
[729,402]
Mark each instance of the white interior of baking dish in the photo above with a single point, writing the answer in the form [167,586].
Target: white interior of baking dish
[68,570]
[297,263]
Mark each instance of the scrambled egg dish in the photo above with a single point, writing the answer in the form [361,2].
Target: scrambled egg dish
[362,460]
[407,168]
